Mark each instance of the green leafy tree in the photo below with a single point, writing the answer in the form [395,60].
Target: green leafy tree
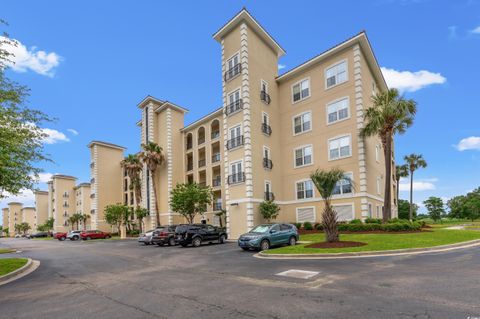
[191,199]
[435,207]
[117,215]
[404,209]
[49,224]
[141,213]
[457,207]
[6,231]
[400,171]
[269,210]
[414,162]
[24,227]
[325,182]
[75,219]
[390,114]
[152,157]
[83,218]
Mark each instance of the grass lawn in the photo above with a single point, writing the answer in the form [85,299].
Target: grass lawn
[10,264]
[6,250]
[43,238]
[378,242]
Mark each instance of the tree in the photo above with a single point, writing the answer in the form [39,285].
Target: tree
[24,227]
[404,209]
[134,168]
[269,210]
[325,182]
[83,219]
[191,199]
[49,224]
[435,207]
[457,207]
[6,231]
[390,114]
[141,213]
[221,214]
[152,157]
[21,146]
[117,214]
[414,162]
[75,220]
[400,171]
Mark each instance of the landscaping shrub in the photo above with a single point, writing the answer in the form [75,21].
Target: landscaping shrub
[307,226]
[356,221]
[373,221]
[298,225]
[390,227]
[319,227]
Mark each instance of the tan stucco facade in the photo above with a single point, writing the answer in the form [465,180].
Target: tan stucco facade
[14,216]
[82,203]
[28,216]
[41,207]
[5,217]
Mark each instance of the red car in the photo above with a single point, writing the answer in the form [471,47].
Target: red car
[94,234]
[60,236]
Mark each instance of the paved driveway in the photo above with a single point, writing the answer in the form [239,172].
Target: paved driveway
[120,279]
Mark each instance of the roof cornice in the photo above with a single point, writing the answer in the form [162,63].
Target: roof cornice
[106,144]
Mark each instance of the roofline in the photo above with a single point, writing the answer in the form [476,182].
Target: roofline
[41,192]
[200,120]
[14,203]
[167,104]
[106,144]
[150,98]
[82,185]
[232,22]
[28,207]
[63,176]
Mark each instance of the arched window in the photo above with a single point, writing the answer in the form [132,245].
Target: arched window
[201,135]
[189,141]
[215,129]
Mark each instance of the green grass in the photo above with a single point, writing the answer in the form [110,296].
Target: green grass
[8,265]
[43,238]
[6,250]
[379,242]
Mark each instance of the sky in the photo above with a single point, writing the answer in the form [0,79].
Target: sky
[89,63]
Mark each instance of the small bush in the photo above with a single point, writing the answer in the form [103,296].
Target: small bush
[390,227]
[319,227]
[315,226]
[307,226]
[298,225]
[396,220]
[356,221]
[373,221]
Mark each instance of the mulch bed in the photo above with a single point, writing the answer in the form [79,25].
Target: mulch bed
[307,232]
[338,244]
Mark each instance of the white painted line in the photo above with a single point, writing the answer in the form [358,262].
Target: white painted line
[300,274]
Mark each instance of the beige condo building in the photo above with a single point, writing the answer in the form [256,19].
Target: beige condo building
[28,216]
[272,132]
[14,216]
[41,207]
[83,203]
[5,218]
[62,205]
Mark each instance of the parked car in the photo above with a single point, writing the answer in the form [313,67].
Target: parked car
[196,234]
[74,234]
[164,235]
[60,236]
[146,237]
[94,234]
[262,237]
[41,234]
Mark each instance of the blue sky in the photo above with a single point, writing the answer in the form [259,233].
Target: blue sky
[88,64]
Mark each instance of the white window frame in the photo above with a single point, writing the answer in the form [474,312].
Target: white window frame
[377,153]
[235,162]
[309,90]
[379,187]
[305,198]
[301,118]
[346,204]
[346,194]
[339,156]
[336,101]
[234,127]
[332,66]
[262,82]
[265,114]
[295,156]
[265,183]
[306,207]
[266,148]
[227,62]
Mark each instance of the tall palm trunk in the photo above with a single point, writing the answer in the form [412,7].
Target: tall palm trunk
[387,202]
[138,196]
[410,212]
[329,221]
[157,213]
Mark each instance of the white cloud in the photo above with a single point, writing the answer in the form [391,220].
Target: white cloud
[469,143]
[26,197]
[281,66]
[74,132]
[419,185]
[42,177]
[476,30]
[54,136]
[411,81]
[32,59]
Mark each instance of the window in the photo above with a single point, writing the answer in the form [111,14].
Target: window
[234,103]
[377,153]
[301,90]
[344,186]
[378,186]
[302,123]
[265,118]
[303,156]
[233,62]
[268,186]
[339,148]
[306,214]
[337,111]
[370,210]
[235,137]
[264,86]
[336,74]
[344,212]
[236,173]
[374,88]
[304,189]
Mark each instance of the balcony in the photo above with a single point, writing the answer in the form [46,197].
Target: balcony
[202,184]
[233,72]
[189,145]
[217,181]
[92,164]
[201,140]
[266,129]
[265,97]
[234,107]
[236,178]
[267,163]
[235,142]
[189,166]
[202,163]
[92,195]
[65,195]
[92,211]
[92,181]
[65,205]
[216,158]
[215,134]
[217,206]
[269,196]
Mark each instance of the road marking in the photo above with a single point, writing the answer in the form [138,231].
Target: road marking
[300,274]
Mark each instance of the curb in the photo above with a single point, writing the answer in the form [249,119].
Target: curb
[29,267]
[385,253]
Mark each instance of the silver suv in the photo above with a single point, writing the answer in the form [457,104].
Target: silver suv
[74,234]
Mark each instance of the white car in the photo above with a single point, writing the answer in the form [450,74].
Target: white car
[74,234]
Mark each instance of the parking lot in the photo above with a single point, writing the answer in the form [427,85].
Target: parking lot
[122,279]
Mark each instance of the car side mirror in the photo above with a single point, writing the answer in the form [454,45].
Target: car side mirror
[273,231]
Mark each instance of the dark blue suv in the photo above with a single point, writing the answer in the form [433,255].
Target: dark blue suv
[262,237]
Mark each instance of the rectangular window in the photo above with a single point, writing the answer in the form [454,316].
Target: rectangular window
[301,90]
[377,153]
[304,189]
[268,187]
[338,111]
[266,152]
[233,62]
[264,86]
[344,212]
[265,118]
[344,186]
[306,214]
[378,186]
[339,148]
[336,74]
[235,132]
[302,123]
[303,156]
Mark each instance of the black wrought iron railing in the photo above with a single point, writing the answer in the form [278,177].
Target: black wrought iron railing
[233,72]
[269,196]
[236,178]
[216,157]
[235,142]
[265,97]
[267,163]
[234,107]
[266,129]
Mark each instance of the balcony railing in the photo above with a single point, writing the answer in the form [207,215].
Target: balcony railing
[216,182]
[234,107]
[202,184]
[235,142]
[65,205]
[92,195]
[215,134]
[217,206]
[202,162]
[216,157]
[269,196]
[65,195]
[92,181]
[189,145]
[189,166]
[92,211]
[236,178]
[201,140]
[266,129]
[92,164]
[267,163]
[233,72]
[265,97]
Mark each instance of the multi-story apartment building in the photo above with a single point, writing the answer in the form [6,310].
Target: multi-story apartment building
[272,132]
[14,216]
[5,217]
[62,204]
[41,207]
[28,216]
[82,202]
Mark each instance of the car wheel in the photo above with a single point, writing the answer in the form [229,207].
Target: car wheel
[245,248]
[107,237]
[160,243]
[171,241]
[62,238]
[76,238]
[184,245]
[145,243]
[292,241]
[88,238]
[265,245]
[196,242]
[221,240]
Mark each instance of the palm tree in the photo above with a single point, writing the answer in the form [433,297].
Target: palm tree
[152,157]
[325,182]
[414,162]
[400,171]
[134,168]
[83,218]
[389,114]
[75,219]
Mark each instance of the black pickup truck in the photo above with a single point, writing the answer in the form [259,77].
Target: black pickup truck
[196,234]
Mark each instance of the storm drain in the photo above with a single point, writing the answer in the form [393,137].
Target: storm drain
[300,274]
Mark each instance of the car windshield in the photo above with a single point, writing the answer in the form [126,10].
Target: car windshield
[261,229]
